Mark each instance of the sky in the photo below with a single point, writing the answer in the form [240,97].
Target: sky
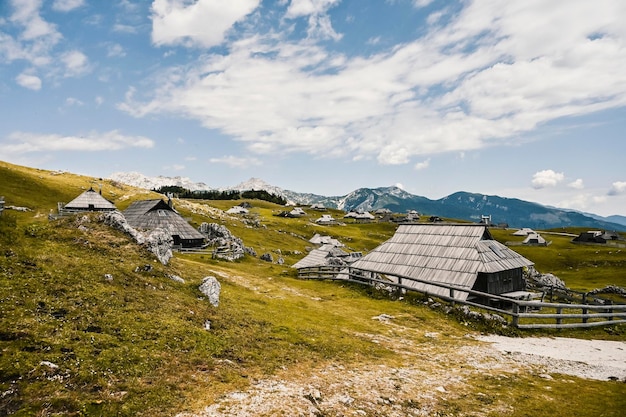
[521,99]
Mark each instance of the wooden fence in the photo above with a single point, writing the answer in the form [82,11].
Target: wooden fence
[523,314]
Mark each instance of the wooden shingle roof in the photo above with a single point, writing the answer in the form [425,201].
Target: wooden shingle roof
[153,214]
[444,253]
[90,200]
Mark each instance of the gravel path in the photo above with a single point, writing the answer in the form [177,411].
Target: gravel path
[429,376]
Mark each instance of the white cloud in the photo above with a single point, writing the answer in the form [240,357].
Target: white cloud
[122,28]
[547,178]
[71,101]
[617,188]
[175,167]
[202,23]
[25,142]
[421,3]
[235,162]
[32,82]
[320,26]
[99,100]
[399,185]
[496,71]
[299,8]
[76,63]
[115,50]
[422,165]
[577,184]
[67,5]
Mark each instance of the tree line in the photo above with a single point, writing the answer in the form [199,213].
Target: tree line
[180,192]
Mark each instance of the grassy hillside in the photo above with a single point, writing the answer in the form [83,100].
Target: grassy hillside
[92,324]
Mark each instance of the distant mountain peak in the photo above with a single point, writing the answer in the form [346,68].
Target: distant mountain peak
[139,180]
[460,205]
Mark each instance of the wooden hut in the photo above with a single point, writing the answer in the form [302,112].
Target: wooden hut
[154,214]
[90,200]
[460,255]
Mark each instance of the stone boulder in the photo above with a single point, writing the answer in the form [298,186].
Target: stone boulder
[211,288]
[219,236]
[158,241]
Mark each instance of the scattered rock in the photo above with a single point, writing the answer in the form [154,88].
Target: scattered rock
[211,288]
[383,317]
[176,278]
[267,257]
[49,364]
[232,248]
[108,277]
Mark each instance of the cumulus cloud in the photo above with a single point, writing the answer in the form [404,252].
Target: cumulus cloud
[201,23]
[67,5]
[577,184]
[493,72]
[26,142]
[547,178]
[422,165]
[235,162]
[115,50]
[76,63]
[617,188]
[32,82]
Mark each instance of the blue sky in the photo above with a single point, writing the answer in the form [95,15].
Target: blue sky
[522,99]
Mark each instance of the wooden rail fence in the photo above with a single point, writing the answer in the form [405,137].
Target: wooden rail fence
[524,314]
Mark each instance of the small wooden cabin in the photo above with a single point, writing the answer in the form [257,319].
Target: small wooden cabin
[154,214]
[460,255]
[90,200]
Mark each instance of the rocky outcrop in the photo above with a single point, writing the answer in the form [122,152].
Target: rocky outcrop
[157,241]
[211,288]
[228,246]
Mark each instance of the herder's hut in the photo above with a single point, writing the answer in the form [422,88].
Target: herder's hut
[326,219]
[89,200]
[326,255]
[154,214]
[318,239]
[460,255]
[596,236]
[524,231]
[237,210]
[535,239]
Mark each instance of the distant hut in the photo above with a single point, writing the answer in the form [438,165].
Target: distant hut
[327,255]
[297,212]
[237,210]
[318,207]
[89,200]
[524,231]
[326,219]
[461,255]
[318,239]
[596,236]
[535,239]
[154,214]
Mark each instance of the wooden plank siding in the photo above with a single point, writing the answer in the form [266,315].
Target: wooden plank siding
[454,254]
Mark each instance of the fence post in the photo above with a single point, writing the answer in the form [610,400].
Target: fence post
[610,310]
[452,296]
[585,310]
[559,310]
[515,315]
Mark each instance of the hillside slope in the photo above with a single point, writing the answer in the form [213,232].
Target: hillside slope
[92,324]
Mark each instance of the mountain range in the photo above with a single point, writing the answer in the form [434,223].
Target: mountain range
[460,205]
